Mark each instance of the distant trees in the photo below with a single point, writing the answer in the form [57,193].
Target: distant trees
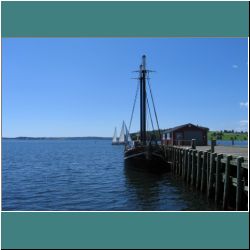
[229,135]
[234,132]
[228,131]
[217,135]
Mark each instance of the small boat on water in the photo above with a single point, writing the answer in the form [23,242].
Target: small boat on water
[124,136]
[115,140]
[147,153]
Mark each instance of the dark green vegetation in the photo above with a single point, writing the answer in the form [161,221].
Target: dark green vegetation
[228,135]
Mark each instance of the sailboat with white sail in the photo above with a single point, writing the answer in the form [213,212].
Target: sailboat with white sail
[124,136]
[114,140]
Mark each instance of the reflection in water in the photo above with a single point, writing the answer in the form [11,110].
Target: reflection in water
[150,191]
[145,186]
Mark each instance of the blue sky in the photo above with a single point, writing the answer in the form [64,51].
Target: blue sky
[83,86]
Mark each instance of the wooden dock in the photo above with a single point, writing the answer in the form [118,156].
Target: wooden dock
[229,150]
[221,175]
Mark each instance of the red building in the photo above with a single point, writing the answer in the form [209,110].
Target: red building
[182,135]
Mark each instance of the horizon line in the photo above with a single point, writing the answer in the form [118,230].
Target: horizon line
[19,137]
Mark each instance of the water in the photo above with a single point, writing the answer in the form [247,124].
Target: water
[229,143]
[86,175]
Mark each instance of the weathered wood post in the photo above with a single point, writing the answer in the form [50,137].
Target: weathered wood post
[193,171]
[189,165]
[218,179]
[185,164]
[174,165]
[211,174]
[172,160]
[181,162]
[165,152]
[239,188]
[203,172]
[226,181]
[179,165]
[232,141]
[193,144]
[213,144]
[177,161]
[198,176]
[172,154]
[208,167]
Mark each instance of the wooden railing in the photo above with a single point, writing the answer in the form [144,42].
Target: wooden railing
[221,177]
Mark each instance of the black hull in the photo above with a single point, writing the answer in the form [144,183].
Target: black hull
[145,160]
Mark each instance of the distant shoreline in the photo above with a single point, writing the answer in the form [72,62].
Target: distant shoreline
[57,138]
[80,138]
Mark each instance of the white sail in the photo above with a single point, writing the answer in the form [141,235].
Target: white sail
[128,137]
[114,140]
[122,134]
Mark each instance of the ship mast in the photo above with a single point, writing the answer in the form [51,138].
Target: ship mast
[143,99]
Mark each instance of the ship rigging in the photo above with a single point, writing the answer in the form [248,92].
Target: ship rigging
[146,153]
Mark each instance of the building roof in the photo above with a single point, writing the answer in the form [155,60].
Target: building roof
[184,125]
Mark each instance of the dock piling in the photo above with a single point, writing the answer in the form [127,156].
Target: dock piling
[198,173]
[203,172]
[193,143]
[218,178]
[226,181]
[222,178]
[189,165]
[211,174]
[193,171]
[239,188]
[213,144]
[208,167]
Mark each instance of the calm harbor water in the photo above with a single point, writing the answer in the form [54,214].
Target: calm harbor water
[86,175]
[229,143]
